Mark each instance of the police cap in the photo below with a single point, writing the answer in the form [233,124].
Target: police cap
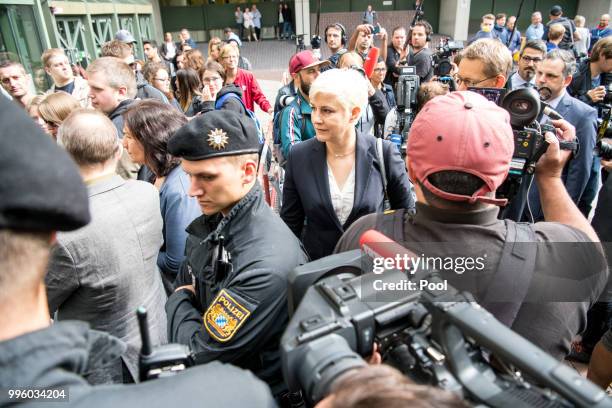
[215,134]
[40,186]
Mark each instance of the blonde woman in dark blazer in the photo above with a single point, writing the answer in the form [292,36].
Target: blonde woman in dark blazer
[335,178]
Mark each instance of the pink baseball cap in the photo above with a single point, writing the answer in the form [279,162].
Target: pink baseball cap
[462,131]
[303,60]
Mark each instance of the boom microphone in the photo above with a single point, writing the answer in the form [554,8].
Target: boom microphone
[370,62]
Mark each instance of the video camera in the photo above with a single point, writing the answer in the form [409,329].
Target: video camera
[436,337]
[442,59]
[163,361]
[526,106]
[406,93]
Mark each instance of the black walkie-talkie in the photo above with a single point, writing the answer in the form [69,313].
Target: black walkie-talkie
[161,361]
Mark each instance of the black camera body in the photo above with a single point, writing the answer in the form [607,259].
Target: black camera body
[525,107]
[406,93]
[604,150]
[442,58]
[436,337]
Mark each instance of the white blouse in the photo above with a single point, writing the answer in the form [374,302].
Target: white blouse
[342,200]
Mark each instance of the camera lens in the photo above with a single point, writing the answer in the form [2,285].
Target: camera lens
[604,150]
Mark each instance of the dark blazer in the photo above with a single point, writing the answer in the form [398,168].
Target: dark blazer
[578,170]
[581,82]
[307,207]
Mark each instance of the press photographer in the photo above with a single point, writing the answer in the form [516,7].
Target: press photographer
[591,84]
[457,165]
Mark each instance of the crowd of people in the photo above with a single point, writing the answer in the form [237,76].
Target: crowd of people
[142,183]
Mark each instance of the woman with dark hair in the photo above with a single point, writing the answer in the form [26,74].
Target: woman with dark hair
[148,124]
[188,91]
[215,95]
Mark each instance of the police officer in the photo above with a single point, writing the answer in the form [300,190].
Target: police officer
[42,192]
[230,302]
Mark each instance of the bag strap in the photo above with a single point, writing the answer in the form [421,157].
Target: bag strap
[510,284]
[391,223]
[383,171]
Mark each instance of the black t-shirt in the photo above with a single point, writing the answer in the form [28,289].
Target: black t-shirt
[423,61]
[564,283]
[66,88]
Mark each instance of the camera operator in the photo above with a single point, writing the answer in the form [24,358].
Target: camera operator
[590,85]
[555,73]
[594,74]
[382,386]
[420,55]
[530,57]
[457,165]
[48,196]
[396,52]
[335,38]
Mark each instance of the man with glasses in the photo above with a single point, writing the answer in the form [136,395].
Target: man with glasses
[531,56]
[485,63]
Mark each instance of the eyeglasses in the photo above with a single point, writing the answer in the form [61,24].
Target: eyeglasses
[469,83]
[535,60]
[162,79]
[211,79]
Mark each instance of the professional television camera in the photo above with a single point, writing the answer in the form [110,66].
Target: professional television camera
[526,106]
[163,361]
[436,337]
[442,59]
[406,93]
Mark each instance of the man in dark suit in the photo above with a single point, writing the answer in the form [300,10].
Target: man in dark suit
[555,73]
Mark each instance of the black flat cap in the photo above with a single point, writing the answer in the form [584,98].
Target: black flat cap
[40,186]
[215,134]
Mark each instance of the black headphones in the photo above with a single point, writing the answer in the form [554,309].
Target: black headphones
[340,27]
[428,31]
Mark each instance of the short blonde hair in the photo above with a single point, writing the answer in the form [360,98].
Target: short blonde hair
[556,31]
[579,20]
[495,56]
[227,48]
[51,53]
[349,86]
[55,107]
[116,72]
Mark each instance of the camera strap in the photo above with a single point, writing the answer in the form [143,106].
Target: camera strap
[514,272]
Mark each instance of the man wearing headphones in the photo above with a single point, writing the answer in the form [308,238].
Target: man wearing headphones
[335,38]
[420,55]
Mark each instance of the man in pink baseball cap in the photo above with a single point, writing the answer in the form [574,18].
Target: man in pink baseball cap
[458,154]
[295,124]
